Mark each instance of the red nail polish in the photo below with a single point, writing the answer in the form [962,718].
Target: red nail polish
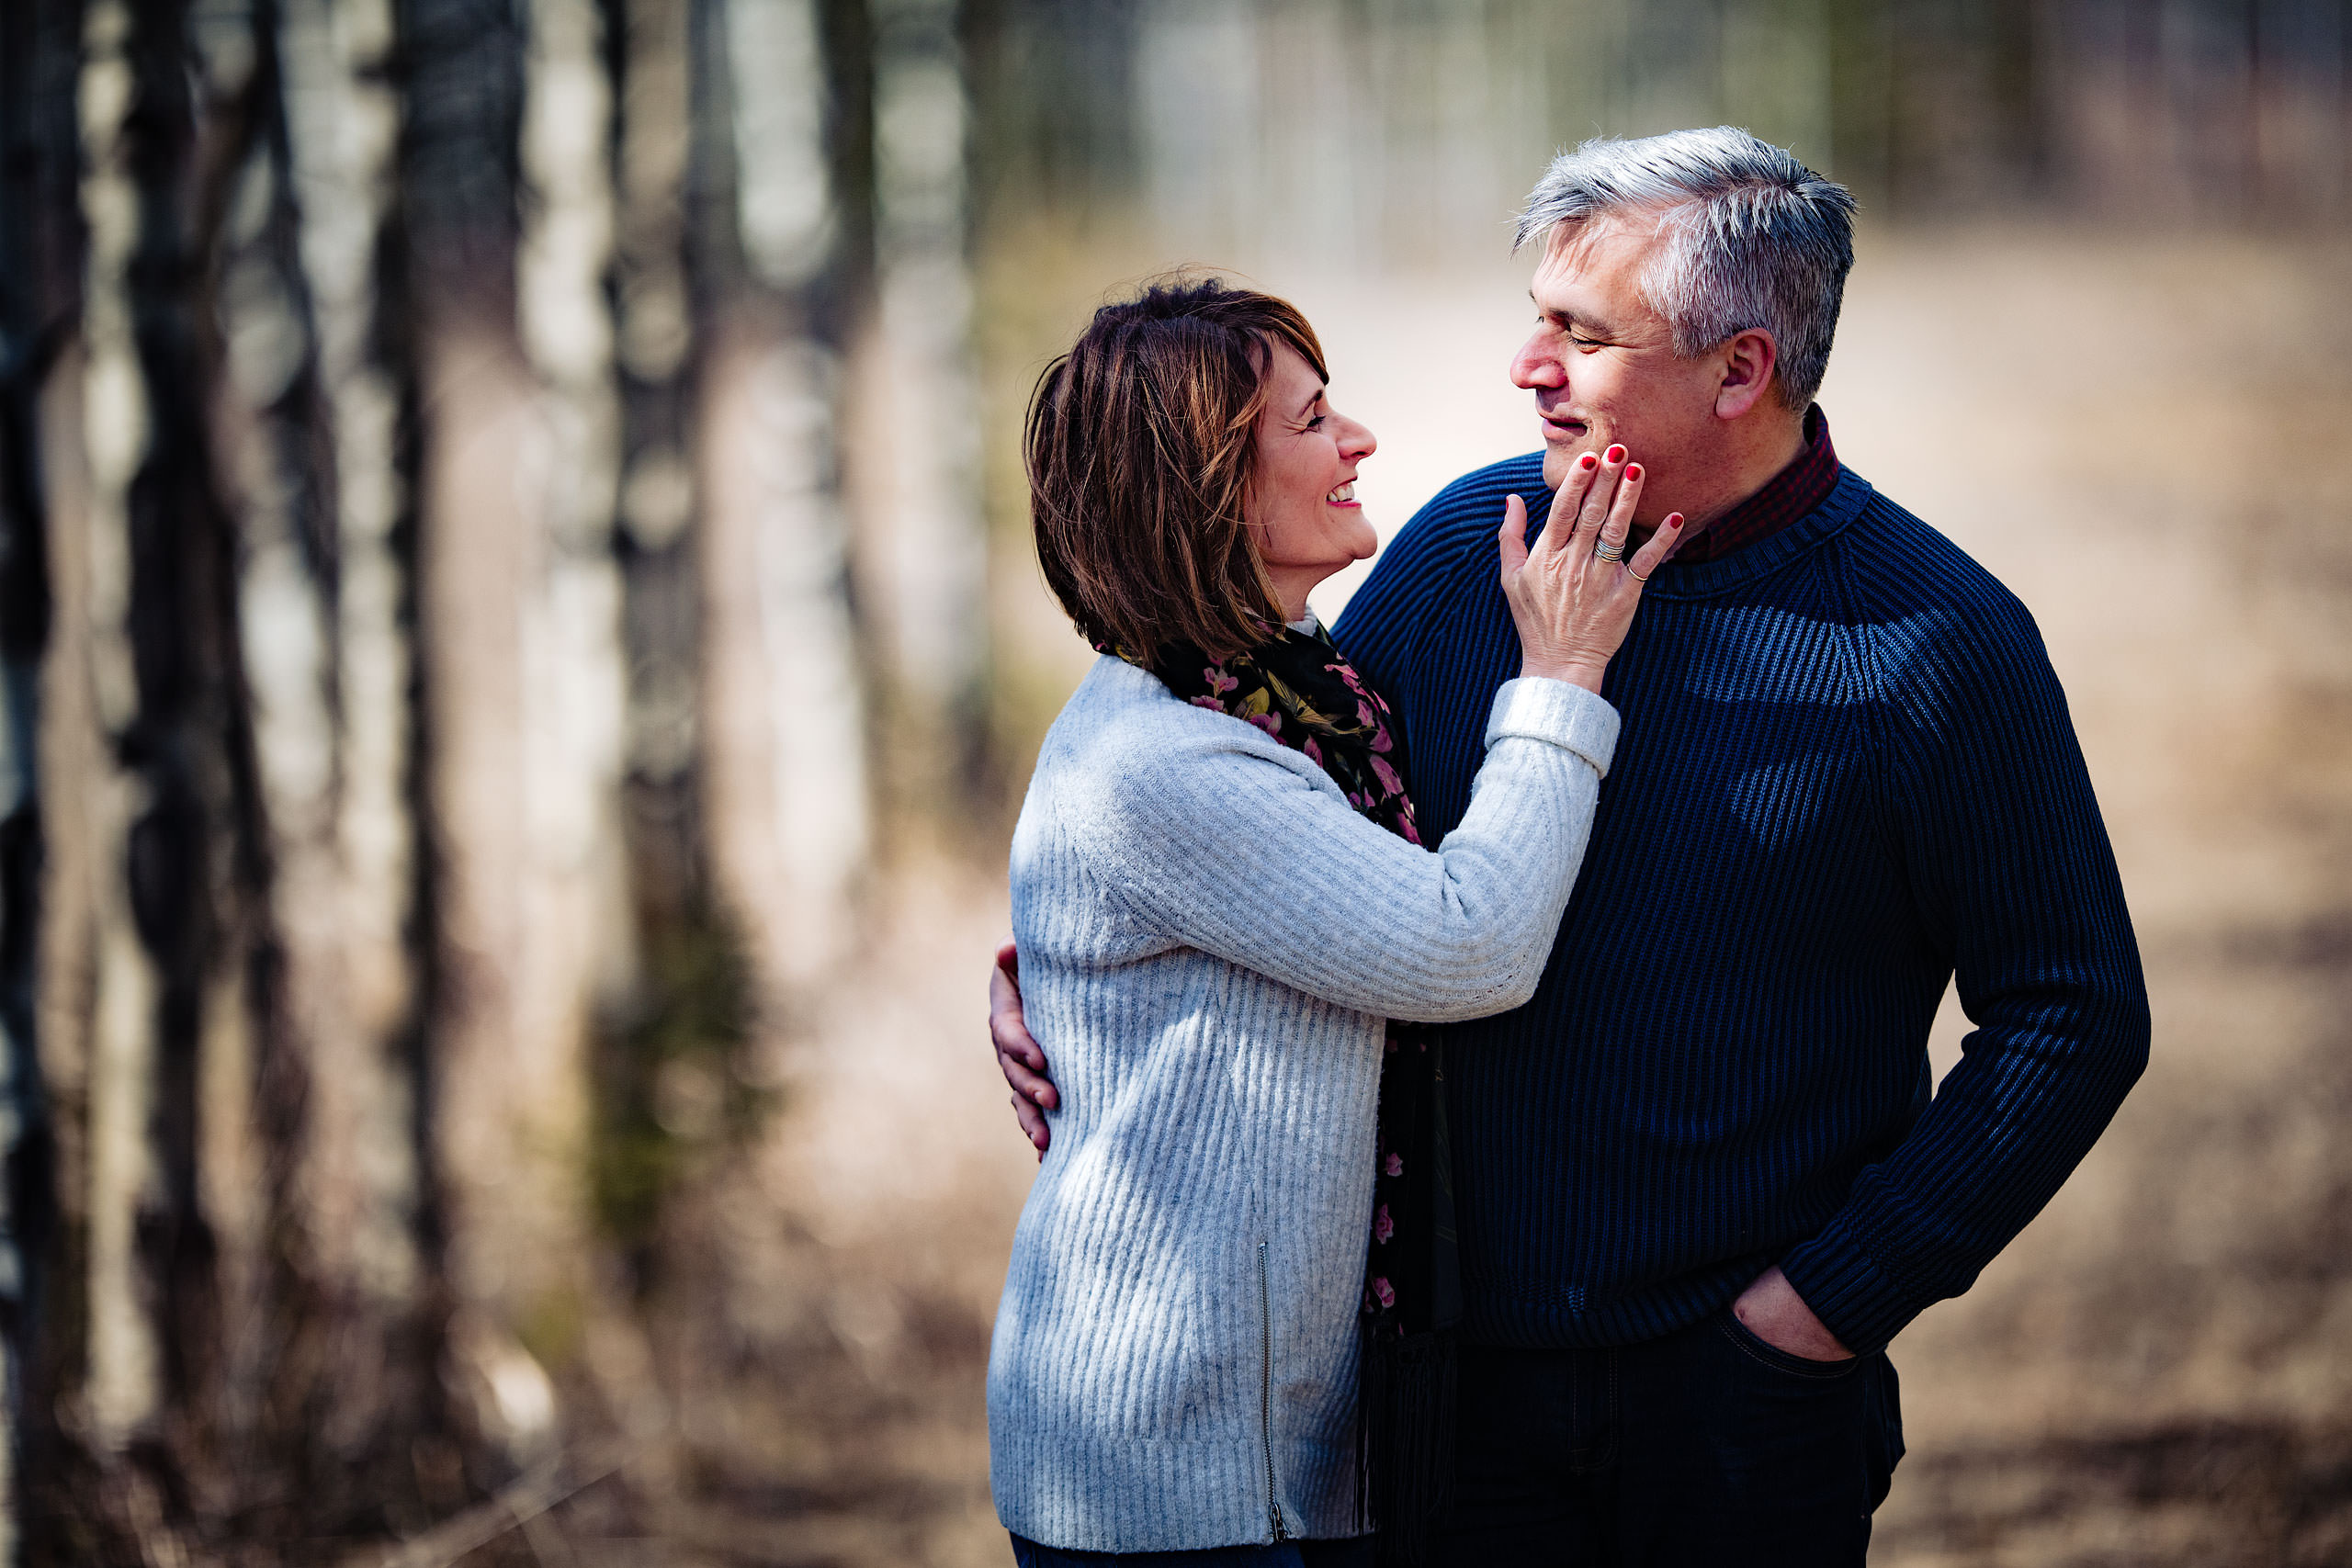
[1616,454]
[1633,470]
[1587,462]
[1674,519]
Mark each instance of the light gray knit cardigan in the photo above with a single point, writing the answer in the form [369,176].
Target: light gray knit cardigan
[1210,939]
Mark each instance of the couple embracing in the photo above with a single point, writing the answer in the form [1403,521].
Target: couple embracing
[1448,1157]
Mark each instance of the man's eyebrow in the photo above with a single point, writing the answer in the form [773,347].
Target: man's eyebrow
[1570,320]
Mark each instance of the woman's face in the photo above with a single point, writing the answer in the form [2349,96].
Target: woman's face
[1302,504]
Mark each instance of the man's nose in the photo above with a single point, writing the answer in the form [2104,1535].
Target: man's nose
[1537,367]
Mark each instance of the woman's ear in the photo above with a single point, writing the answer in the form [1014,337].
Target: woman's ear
[1747,362]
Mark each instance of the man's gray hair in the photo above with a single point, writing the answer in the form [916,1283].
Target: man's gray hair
[1751,238]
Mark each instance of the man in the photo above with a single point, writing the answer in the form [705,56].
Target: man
[1698,1197]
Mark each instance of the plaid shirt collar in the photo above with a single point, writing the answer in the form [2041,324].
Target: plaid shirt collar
[1795,491]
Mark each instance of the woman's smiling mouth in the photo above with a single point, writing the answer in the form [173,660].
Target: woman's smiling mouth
[1345,495]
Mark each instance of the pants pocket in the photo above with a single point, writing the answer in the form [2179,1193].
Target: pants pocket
[1756,1347]
[1774,1467]
[1883,1438]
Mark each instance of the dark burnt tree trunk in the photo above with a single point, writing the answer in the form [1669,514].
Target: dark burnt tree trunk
[40,252]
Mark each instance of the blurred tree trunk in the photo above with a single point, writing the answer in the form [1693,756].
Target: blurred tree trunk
[922,532]
[654,343]
[143,712]
[38,305]
[328,608]
[229,1002]
[521,613]
[668,1056]
[326,1205]
[418,519]
[786,739]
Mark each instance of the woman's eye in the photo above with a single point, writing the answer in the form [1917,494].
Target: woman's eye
[1315,423]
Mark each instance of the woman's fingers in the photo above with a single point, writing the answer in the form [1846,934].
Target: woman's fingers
[1017,1053]
[1033,1125]
[1513,538]
[1597,502]
[1620,520]
[1661,544]
[1608,476]
[1567,502]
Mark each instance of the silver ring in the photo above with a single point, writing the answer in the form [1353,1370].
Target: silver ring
[1636,575]
[1607,551]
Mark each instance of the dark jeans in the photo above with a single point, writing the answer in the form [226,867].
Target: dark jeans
[1281,1554]
[1703,1448]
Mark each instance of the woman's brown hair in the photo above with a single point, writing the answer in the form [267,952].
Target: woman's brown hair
[1139,444]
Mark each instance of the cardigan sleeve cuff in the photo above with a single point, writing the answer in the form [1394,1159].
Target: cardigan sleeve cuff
[1847,1289]
[1558,713]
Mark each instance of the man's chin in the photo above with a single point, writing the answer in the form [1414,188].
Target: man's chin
[1556,461]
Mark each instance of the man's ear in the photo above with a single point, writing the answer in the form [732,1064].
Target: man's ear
[1747,362]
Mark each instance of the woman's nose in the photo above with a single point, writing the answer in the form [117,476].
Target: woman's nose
[1360,442]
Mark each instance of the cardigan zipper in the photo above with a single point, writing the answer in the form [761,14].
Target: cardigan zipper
[1266,1395]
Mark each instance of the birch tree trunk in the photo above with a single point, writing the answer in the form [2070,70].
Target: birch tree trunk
[328,643]
[230,996]
[143,717]
[115,1051]
[786,743]
[522,611]
[313,1168]
[668,1077]
[228,1000]
[324,504]
[922,512]
[654,344]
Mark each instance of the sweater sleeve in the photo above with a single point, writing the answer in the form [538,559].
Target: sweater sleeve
[1221,839]
[2013,878]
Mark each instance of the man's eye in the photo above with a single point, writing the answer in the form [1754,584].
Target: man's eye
[1575,339]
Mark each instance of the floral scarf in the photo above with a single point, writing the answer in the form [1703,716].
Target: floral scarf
[1300,691]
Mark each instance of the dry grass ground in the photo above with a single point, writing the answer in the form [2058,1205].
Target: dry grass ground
[2148,442]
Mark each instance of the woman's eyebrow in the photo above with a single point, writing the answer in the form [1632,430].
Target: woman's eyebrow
[1308,407]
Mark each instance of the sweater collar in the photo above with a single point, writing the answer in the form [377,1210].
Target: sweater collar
[1796,490]
[1678,579]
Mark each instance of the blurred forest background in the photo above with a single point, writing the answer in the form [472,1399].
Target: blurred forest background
[520,653]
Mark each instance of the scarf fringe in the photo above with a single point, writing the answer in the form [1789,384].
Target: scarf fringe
[1405,1441]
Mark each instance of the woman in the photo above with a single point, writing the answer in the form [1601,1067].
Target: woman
[1220,900]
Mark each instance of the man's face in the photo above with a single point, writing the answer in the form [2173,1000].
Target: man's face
[1602,367]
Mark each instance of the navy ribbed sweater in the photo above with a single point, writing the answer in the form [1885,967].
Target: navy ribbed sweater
[1846,772]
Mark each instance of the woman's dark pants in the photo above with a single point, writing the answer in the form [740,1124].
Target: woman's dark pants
[1706,1448]
[1281,1554]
